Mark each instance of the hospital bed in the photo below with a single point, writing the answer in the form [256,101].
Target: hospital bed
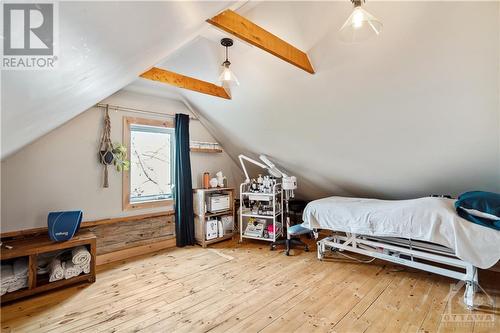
[423,233]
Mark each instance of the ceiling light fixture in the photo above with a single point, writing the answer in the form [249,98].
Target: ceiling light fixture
[361,25]
[227,77]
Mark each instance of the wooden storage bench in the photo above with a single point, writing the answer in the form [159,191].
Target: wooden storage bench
[32,247]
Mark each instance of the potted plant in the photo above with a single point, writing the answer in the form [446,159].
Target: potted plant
[120,157]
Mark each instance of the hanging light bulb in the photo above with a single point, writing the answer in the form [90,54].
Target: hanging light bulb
[360,25]
[226,76]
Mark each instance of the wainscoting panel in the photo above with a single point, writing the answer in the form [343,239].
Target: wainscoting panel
[124,235]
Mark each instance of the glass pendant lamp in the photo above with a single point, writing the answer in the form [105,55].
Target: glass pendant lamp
[227,76]
[360,25]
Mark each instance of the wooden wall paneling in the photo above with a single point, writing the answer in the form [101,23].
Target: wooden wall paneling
[125,235]
[86,224]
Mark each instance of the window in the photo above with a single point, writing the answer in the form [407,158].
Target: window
[148,183]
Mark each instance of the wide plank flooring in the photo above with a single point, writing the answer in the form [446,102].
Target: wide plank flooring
[247,288]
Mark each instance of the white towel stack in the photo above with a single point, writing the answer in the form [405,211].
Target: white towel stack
[66,265]
[14,276]
[80,262]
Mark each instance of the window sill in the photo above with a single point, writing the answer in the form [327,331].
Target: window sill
[151,204]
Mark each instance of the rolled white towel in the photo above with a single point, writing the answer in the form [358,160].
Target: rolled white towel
[56,270]
[71,270]
[86,268]
[80,255]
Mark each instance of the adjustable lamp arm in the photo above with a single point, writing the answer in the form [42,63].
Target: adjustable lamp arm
[242,157]
[272,168]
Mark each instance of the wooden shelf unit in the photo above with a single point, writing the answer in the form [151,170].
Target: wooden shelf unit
[31,247]
[201,215]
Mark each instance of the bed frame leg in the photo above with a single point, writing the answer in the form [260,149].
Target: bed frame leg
[321,250]
[469,295]
[471,287]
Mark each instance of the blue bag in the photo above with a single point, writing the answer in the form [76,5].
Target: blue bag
[63,225]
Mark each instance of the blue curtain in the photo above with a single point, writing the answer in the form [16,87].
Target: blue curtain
[184,215]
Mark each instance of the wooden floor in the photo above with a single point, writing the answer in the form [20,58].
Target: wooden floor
[247,288]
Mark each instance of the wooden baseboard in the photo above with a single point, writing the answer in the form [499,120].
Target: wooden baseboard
[134,251]
[87,224]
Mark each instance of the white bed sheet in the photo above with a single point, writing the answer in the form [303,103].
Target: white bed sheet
[427,219]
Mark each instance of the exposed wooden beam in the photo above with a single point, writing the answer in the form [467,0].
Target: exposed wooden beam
[250,32]
[186,82]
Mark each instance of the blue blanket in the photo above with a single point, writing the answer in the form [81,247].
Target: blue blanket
[480,207]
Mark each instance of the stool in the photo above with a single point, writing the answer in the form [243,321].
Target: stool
[293,238]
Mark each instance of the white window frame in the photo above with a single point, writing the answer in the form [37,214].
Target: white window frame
[128,122]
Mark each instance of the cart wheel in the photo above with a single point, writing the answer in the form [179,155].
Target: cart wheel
[272,247]
[306,248]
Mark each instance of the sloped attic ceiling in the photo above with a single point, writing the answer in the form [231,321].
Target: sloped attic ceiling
[103,47]
[412,113]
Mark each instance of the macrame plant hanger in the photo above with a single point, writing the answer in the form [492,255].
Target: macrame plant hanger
[106,147]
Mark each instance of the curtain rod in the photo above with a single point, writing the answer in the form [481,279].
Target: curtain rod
[126,109]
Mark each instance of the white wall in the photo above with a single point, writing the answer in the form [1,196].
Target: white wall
[61,171]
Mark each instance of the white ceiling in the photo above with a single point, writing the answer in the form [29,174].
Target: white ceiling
[414,112]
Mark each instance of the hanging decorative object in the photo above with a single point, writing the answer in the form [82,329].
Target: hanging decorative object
[227,77]
[360,26]
[106,147]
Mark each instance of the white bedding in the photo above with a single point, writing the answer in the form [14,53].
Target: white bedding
[427,219]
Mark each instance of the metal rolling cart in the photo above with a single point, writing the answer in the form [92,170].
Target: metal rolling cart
[261,219]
